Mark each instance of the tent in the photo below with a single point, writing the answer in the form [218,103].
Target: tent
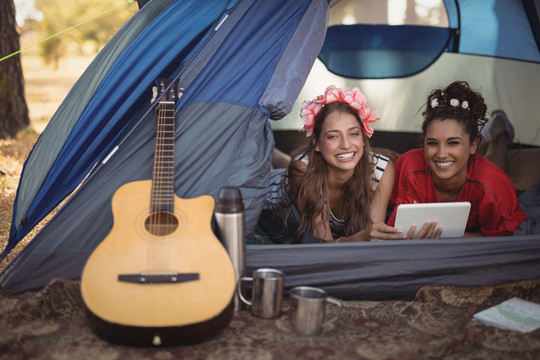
[492,44]
[232,60]
[242,64]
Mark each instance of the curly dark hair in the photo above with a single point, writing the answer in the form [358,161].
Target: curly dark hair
[473,118]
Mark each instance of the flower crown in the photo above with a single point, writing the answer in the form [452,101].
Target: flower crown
[453,102]
[353,97]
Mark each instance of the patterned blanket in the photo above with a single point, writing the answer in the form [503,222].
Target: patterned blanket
[52,324]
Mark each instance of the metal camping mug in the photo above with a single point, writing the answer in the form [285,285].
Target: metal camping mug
[267,292]
[308,308]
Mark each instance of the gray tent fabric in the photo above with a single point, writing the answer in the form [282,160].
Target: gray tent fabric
[277,98]
[87,218]
[396,270]
[219,141]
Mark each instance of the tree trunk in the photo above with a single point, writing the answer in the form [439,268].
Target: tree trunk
[13,108]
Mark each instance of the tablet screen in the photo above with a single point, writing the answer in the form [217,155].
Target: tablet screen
[451,216]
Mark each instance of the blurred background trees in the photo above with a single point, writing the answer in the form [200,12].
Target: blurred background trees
[13,108]
[38,20]
[90,37]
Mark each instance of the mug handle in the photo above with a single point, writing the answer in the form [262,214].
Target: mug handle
[286,308]
[239,290]
[335,301]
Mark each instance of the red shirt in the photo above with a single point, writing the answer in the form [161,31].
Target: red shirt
[495,208]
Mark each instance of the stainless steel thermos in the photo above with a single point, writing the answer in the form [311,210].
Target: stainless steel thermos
[231,224]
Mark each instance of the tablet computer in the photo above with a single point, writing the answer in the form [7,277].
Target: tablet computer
[451,216]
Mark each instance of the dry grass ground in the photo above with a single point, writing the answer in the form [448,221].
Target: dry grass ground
[45,89]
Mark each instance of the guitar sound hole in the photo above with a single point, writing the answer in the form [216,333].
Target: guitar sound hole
[161,223]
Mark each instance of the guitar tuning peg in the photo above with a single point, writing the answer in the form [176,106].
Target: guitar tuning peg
[180,92]
[154,94]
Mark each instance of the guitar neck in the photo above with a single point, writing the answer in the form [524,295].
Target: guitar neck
[163,174]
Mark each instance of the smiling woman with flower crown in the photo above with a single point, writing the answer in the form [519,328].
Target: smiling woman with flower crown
[335,189]
[448,167]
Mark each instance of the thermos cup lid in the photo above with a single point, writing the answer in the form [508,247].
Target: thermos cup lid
[229,200]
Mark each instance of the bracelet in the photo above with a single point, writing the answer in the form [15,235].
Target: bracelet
[339,239]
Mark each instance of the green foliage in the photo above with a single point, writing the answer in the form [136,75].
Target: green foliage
[59,15]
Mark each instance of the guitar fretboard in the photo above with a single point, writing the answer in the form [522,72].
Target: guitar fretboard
[163,175]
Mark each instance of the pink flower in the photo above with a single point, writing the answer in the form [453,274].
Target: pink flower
[371,119]
[321,99]
[364,112]
[354,94]
[333,94]
[354,97]
[308,112]
[358,107]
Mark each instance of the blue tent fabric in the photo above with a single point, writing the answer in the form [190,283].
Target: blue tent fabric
[495,28]
[364,51]
[223,133]
[113,106]
[277,98]
[104,106]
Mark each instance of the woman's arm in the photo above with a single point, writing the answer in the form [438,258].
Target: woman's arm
[472,234]
[380,230]
[321,230]
[280,159]
[383,191]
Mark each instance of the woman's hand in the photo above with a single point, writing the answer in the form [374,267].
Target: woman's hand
[381,231]
[428,231]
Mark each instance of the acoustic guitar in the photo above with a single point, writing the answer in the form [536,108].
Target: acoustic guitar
[160,277]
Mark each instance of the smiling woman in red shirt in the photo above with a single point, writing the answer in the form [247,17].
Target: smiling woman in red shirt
[448,167]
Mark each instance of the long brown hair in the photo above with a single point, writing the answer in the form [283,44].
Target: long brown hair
[312,195]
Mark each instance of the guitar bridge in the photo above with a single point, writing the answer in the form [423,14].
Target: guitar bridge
[164,277]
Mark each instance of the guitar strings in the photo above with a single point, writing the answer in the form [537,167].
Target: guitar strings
[162,194]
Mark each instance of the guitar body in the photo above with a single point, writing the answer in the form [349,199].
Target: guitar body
[154,286]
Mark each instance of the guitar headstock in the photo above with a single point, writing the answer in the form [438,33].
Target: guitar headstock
[166,90]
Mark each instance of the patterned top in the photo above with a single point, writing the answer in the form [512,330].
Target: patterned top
[276,209]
